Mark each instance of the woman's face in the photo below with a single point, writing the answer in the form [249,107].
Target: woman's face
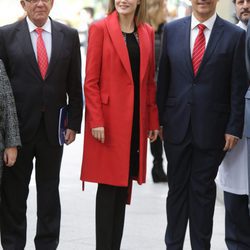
[126,7]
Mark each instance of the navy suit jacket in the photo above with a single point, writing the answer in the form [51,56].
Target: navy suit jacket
[247,106]
[212,102]
[32,94]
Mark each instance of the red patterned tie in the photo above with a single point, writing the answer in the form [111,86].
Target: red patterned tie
[42,57]
[199,48]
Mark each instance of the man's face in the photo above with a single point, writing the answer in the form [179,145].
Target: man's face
[203,9]
[37,10]
[242,8]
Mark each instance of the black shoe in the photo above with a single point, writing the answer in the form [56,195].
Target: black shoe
[158,174]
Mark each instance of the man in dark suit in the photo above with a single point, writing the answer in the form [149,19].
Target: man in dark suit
[201,86]
[42,59]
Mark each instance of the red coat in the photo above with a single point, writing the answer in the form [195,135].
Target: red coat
[109,98]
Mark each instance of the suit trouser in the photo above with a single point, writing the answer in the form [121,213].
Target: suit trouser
[192,193]
[110,215]
[237,221]
[15,190]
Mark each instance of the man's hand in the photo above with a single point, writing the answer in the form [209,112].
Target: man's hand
[231,141]
[70,136]
[153,134]
[98,134]
[9,156]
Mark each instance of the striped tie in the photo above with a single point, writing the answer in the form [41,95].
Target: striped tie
[199,48]
[42,57]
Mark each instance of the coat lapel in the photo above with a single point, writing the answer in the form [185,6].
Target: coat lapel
[215,36]
[57,40]
[23,36]
[144,43]
[117,39]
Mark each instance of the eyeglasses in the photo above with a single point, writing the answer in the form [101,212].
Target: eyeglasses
[37,1]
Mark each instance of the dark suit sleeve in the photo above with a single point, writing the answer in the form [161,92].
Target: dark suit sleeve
[248,51]
[3,56]
[163,78]
[74,87]
[238,88]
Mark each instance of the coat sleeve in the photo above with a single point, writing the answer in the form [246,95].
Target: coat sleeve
[151,95]
[10,121]
[94,114]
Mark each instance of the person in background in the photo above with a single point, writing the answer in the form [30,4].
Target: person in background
[233,176]
[156,17]
[201,86]
[43,63]
[121,112]
[9,131]
[88,15]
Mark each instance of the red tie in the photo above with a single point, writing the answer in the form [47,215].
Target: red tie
[42,57]
[199,48]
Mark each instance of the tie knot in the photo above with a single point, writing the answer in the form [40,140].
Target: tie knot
[201,27]
[39,31]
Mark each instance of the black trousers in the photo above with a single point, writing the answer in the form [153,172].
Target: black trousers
[110,215]
[237,222]
[192,193]
[156,148]
[15,190]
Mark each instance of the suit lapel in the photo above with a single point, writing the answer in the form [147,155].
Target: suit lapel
[23,36]
[186,28]
[215,36]
[117,39]
[57,40]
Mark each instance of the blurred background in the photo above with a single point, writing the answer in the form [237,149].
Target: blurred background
[73,13]
[80,13]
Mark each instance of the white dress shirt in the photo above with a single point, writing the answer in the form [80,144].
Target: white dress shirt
[195,30]
[46,34]
[232,176]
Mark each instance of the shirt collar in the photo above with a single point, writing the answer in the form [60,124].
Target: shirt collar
[242,25]
[46,27]
[209,23]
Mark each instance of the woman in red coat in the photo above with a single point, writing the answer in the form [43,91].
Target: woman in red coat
[121,112]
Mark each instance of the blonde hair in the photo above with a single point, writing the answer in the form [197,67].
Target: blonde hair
[140,14]
[156,13]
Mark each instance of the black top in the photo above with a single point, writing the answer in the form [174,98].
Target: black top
[134,57]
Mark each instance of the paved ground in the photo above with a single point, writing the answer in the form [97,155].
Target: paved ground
[145,218]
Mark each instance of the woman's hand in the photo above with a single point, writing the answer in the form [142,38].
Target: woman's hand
[9,156]
[98,134]
[152,135]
